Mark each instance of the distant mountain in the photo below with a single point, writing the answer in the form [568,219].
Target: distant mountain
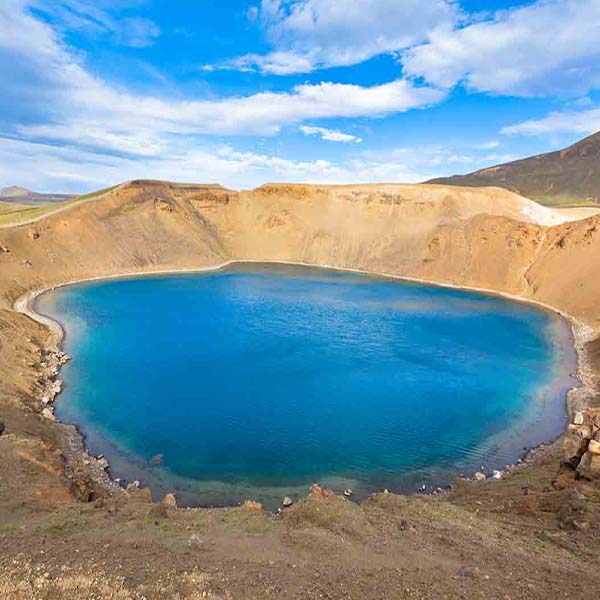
[569,176]
[24,196]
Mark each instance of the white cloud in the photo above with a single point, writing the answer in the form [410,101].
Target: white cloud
[548,47]
[582,122]
[489,145]
[69,169]
[66,103]
[331,135]
[312,34]
[101,18]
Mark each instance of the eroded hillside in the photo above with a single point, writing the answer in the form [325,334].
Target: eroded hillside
[67,531]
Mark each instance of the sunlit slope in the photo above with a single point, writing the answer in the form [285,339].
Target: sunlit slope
[569,177]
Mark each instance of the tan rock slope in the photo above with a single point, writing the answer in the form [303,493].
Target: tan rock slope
[477,237]
[488,238]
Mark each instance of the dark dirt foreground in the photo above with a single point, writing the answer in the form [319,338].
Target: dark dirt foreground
[534,535]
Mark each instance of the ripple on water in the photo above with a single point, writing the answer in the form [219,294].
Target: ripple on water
[257,380]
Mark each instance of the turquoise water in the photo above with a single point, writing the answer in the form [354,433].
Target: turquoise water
[258,380]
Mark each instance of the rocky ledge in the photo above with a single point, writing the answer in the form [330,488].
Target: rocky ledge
[582,443]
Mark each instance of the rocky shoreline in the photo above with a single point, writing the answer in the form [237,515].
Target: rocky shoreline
[90,475]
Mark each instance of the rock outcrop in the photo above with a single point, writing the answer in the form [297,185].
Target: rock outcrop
[582,443]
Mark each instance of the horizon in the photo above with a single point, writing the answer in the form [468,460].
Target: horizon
[373,91]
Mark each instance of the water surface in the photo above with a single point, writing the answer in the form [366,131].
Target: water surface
[258,380]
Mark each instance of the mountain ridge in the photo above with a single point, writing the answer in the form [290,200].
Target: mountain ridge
[16,193]
[570,176]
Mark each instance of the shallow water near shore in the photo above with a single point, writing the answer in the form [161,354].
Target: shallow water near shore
[257,380]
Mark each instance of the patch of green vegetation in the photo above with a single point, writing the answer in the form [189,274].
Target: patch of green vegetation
[97,193]
[248,521]
[565,202]
[25,213]
[11,207]
[200,521]
[62,522]
[334,514]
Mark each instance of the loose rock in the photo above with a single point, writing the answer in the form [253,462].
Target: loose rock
[467,571]
[48,414]
[594,447]
[195,541]
[589,466]
[170,501]
[315,490]
[133,486]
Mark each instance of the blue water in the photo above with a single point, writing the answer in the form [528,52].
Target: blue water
[258,380]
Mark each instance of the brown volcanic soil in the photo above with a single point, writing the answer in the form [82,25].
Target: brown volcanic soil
[67,532]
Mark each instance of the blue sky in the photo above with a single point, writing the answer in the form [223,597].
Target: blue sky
[242,92]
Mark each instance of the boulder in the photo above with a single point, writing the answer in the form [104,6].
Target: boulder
[63,358]
[582,442]
[287,501]
[48,414]
[170,501]
[594,447]
[315,490]
[589,466]
[133,486]
[575,443]
[479,476]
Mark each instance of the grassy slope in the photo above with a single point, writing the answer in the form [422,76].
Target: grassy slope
[12,214]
